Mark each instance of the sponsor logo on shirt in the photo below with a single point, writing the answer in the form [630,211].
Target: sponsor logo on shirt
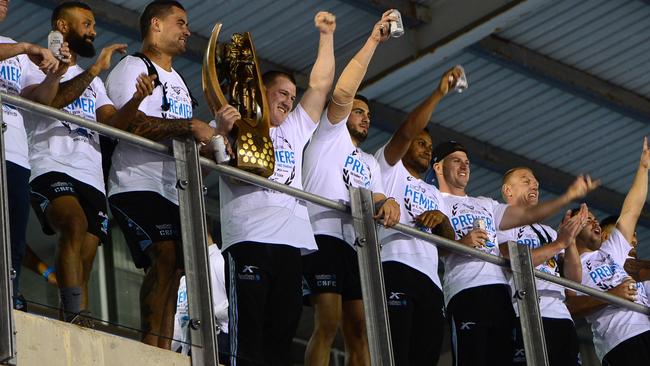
[418,199]
[463,216]
[550,266]
[356,173]
[83,107]
[180,105]
[285,160]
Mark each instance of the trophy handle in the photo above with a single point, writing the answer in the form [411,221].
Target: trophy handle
[209,80]
[261,97]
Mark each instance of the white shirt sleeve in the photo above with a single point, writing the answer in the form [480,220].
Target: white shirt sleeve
[120,83]
[300,124]
[326,131]
[498,210]
[376,183]
[102,96]
[617,246]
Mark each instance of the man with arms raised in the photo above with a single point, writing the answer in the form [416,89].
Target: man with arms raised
[142,184]
[265,232]
[548,248]
[482,335]
[333,163]
[621,336]
[67,188]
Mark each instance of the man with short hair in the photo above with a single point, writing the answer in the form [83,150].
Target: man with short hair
[482,335]
[621,336]
[333,163]
[550,251]
[264,232]
[413,288]
[14,63]
[66,178]
[142,184]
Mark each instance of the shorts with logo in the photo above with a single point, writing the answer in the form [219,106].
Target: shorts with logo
[49,186]
[334,268]
[561,338]
[145,218]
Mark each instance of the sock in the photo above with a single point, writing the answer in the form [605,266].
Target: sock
[71,301]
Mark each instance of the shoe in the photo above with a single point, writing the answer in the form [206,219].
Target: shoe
[19,302]
[84,319]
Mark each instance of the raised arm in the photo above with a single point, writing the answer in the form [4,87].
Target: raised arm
[524,215]
[322,74]
[352,75]
[41,57]
[635,198]
[415,122]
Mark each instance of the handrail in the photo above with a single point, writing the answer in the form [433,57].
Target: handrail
[265,183]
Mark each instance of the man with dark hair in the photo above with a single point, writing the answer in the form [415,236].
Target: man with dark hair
[621,336]
[142,184]
[333,163]
[66,179]
[413,287]
[265,232]
[548,250]
[483,334]
[14,62]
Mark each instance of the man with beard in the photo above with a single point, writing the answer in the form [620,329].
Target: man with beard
[621,336]
[142,184]
[548,248]
[264,232]
[483,334]
[14,64]
[66,178]
[333,163]
[413,287]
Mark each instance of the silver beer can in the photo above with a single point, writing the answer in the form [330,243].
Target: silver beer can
[460,84]
[396,26]
[479,224]
[54,42]
[219,146]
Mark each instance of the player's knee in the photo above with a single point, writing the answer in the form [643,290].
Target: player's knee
[163,257]
[326,327]
[354,332]
[72,225]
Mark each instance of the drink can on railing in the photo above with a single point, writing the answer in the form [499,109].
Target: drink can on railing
[396,26]
[54,42]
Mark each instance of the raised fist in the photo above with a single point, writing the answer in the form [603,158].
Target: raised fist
[325,22]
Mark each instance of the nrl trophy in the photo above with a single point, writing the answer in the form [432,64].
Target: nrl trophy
[231,75]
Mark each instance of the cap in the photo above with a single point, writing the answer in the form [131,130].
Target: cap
[445,148]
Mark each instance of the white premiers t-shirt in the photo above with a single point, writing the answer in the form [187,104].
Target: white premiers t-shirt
[462,271]
[181,339]
[551,296]
[415,197]
[62,146]
[135,168]
[603,269]
[332,165]
[251,213]
[12,74]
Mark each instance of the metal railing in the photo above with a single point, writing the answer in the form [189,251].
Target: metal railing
[192,208]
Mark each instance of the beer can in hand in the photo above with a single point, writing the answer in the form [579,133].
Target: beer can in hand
[479,224]
[219,146]
[54,42]
[396,26]
[459,84]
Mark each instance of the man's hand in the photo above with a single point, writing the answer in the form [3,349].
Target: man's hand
[42,57]
[626,290]
[226,117]
[581,186]
[571,226]
[104,59]
[645,155]
[381,31]
[447,80]
[431,218]
[143,86]
[325,22]
[201,131]
[389,211]
[475,238]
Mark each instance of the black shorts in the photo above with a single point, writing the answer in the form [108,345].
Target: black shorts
[334,268]
[561,338]
[145,218]
[632,351]
[49,186]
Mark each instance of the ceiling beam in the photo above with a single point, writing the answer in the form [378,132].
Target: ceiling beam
[564,76]
[455,25]
[500,160]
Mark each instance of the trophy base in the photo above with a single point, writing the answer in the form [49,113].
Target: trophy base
[255,153]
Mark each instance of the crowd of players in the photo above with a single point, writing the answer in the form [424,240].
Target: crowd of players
[277,249]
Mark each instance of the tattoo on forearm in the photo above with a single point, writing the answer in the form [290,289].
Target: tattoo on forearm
[72,89]
[158,128]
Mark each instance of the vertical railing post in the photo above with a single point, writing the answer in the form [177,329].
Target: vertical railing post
[203,334]
[372,278]
[7,326]
[525,294]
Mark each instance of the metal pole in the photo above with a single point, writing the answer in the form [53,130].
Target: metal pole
[372,278]
[525,293]
[195,253]
[7,326]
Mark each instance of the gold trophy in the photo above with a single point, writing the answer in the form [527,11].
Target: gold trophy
[234,67]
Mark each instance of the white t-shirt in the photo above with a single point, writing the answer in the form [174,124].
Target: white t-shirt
[415,197]
[251,213]
[603,269]
[551,296]
[12,74]
[135,168]
[463,271]
[181,339]
[332,164]
[62,146]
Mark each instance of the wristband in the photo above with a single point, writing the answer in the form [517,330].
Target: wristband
[47,273]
